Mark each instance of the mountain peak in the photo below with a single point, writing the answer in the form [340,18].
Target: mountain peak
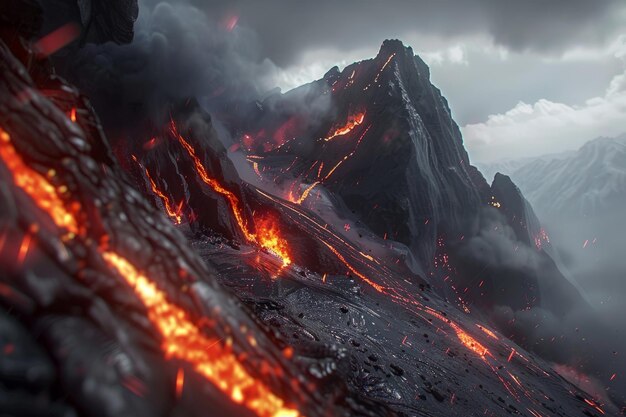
[390,46]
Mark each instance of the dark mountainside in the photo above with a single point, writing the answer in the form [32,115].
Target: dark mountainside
[142,276]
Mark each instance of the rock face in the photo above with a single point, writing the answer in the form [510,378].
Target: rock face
[532,272]
[99,21]
[401,165]
[163,165]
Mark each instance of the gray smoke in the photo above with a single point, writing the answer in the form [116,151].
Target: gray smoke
[585,339]
[178,51]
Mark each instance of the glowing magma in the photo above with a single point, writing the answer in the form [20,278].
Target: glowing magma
[352,122]
[172,212]
[45,195]
[181,338]
[269,239]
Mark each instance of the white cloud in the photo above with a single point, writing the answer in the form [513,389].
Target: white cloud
[547,126]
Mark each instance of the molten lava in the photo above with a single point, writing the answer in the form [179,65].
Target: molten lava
[211,358]
[269,240]
[268,237]
[173,212]
[45,195]
[214,184]
[347,156]
[352,122]
[469,342]
[377,287]
[306,192]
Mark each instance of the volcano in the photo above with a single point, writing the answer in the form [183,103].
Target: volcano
[340,271]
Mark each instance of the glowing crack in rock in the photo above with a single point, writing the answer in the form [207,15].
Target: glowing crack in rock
[269,240]
[173,212]
[352,122]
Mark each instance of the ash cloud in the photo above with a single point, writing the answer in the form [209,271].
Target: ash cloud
[178,52]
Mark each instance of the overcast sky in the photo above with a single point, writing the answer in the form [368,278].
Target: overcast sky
[522,77]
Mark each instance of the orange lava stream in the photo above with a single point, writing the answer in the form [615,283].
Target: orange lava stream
[353,121]
[183,340]
[488,332]
[469,342]
[306,192]
[173,213]
[348,156]
[216,186]
[384,66]
[267,239]
[374,285]
[45,195]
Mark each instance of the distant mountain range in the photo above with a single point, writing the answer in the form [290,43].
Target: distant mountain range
[586,182]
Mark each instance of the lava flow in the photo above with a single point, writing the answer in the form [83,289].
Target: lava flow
[352,122]
[45,195]
[173,212]
[181,338]
[268,239]
[268,236]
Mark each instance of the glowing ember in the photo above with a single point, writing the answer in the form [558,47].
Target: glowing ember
[173,212]
[57,39]
[541,237]
[45,195]
[24,248]
[494,202]
[150,144]
[594,405]
[230,22]
[511,355]
[180,382]
[353,121]
[487,332]
[183,340]
[73,114]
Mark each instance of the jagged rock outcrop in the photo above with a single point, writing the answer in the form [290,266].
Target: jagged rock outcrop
[406,175]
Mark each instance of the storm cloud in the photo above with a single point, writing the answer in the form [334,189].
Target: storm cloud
[288,29]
